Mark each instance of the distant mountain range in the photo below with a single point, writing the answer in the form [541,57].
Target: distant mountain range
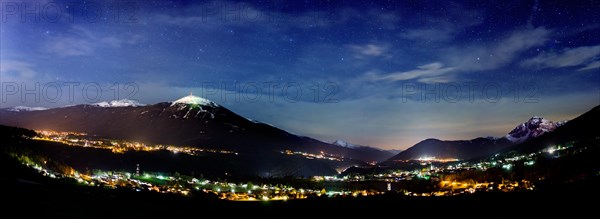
[25,108]
[198,122]
[459,149]
[535,127]
[478,147]
[191,120]
[581,130]
[388,153]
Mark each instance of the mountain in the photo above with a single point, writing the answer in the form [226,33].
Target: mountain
[478,147]
[119,103]
[535,127]
[191,120]
[394,151]
[343,143]
[577,131]
[25,108]
[383,154]
[461,149]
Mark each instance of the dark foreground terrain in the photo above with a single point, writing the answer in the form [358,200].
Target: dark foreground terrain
[28,194]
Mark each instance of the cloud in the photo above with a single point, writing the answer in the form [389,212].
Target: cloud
[186,21]
[496,55]
[368,50]
[69,46]
[429,34]
[77,41]
[435,80]
[117,42]
[214,15]
[429,73]
[443,26]
[567,58]
[373,17]
[520,41]
[80,41]
[383,19]
[11,70]
[590,66]
[471,58]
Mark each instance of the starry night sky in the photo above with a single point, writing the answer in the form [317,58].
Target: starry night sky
[382,73]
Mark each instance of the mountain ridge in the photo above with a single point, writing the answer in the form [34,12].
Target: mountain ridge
[197,123]
[533,128]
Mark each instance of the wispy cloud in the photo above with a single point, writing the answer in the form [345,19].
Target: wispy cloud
[184,21]
[69,46]
[11,69]
[80,41]
[497,55]
[444,27]
[590,66]
[369,50]
[580,56]
[430,73]
[376,18]
[439,31]
[77,41]
[384,19]
[117,42]
[213,15]
[470,58]
[430,34]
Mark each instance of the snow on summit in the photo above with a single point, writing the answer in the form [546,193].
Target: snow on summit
[119,103]
[343,143]
[535,127]
[194,100]
[26,108]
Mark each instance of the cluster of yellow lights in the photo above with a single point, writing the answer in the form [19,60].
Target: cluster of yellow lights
[434,159]
[446,188]
[322,155]
[450,187]
[118,146]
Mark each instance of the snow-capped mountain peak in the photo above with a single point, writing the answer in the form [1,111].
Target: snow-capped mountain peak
[194,100]
[25,108]
[560,123]
[533,128]
[363,148]
[345,144]
[119,103]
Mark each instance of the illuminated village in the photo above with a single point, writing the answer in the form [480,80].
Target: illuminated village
[436,171]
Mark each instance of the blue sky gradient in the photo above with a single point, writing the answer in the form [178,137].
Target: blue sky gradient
[381,73]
